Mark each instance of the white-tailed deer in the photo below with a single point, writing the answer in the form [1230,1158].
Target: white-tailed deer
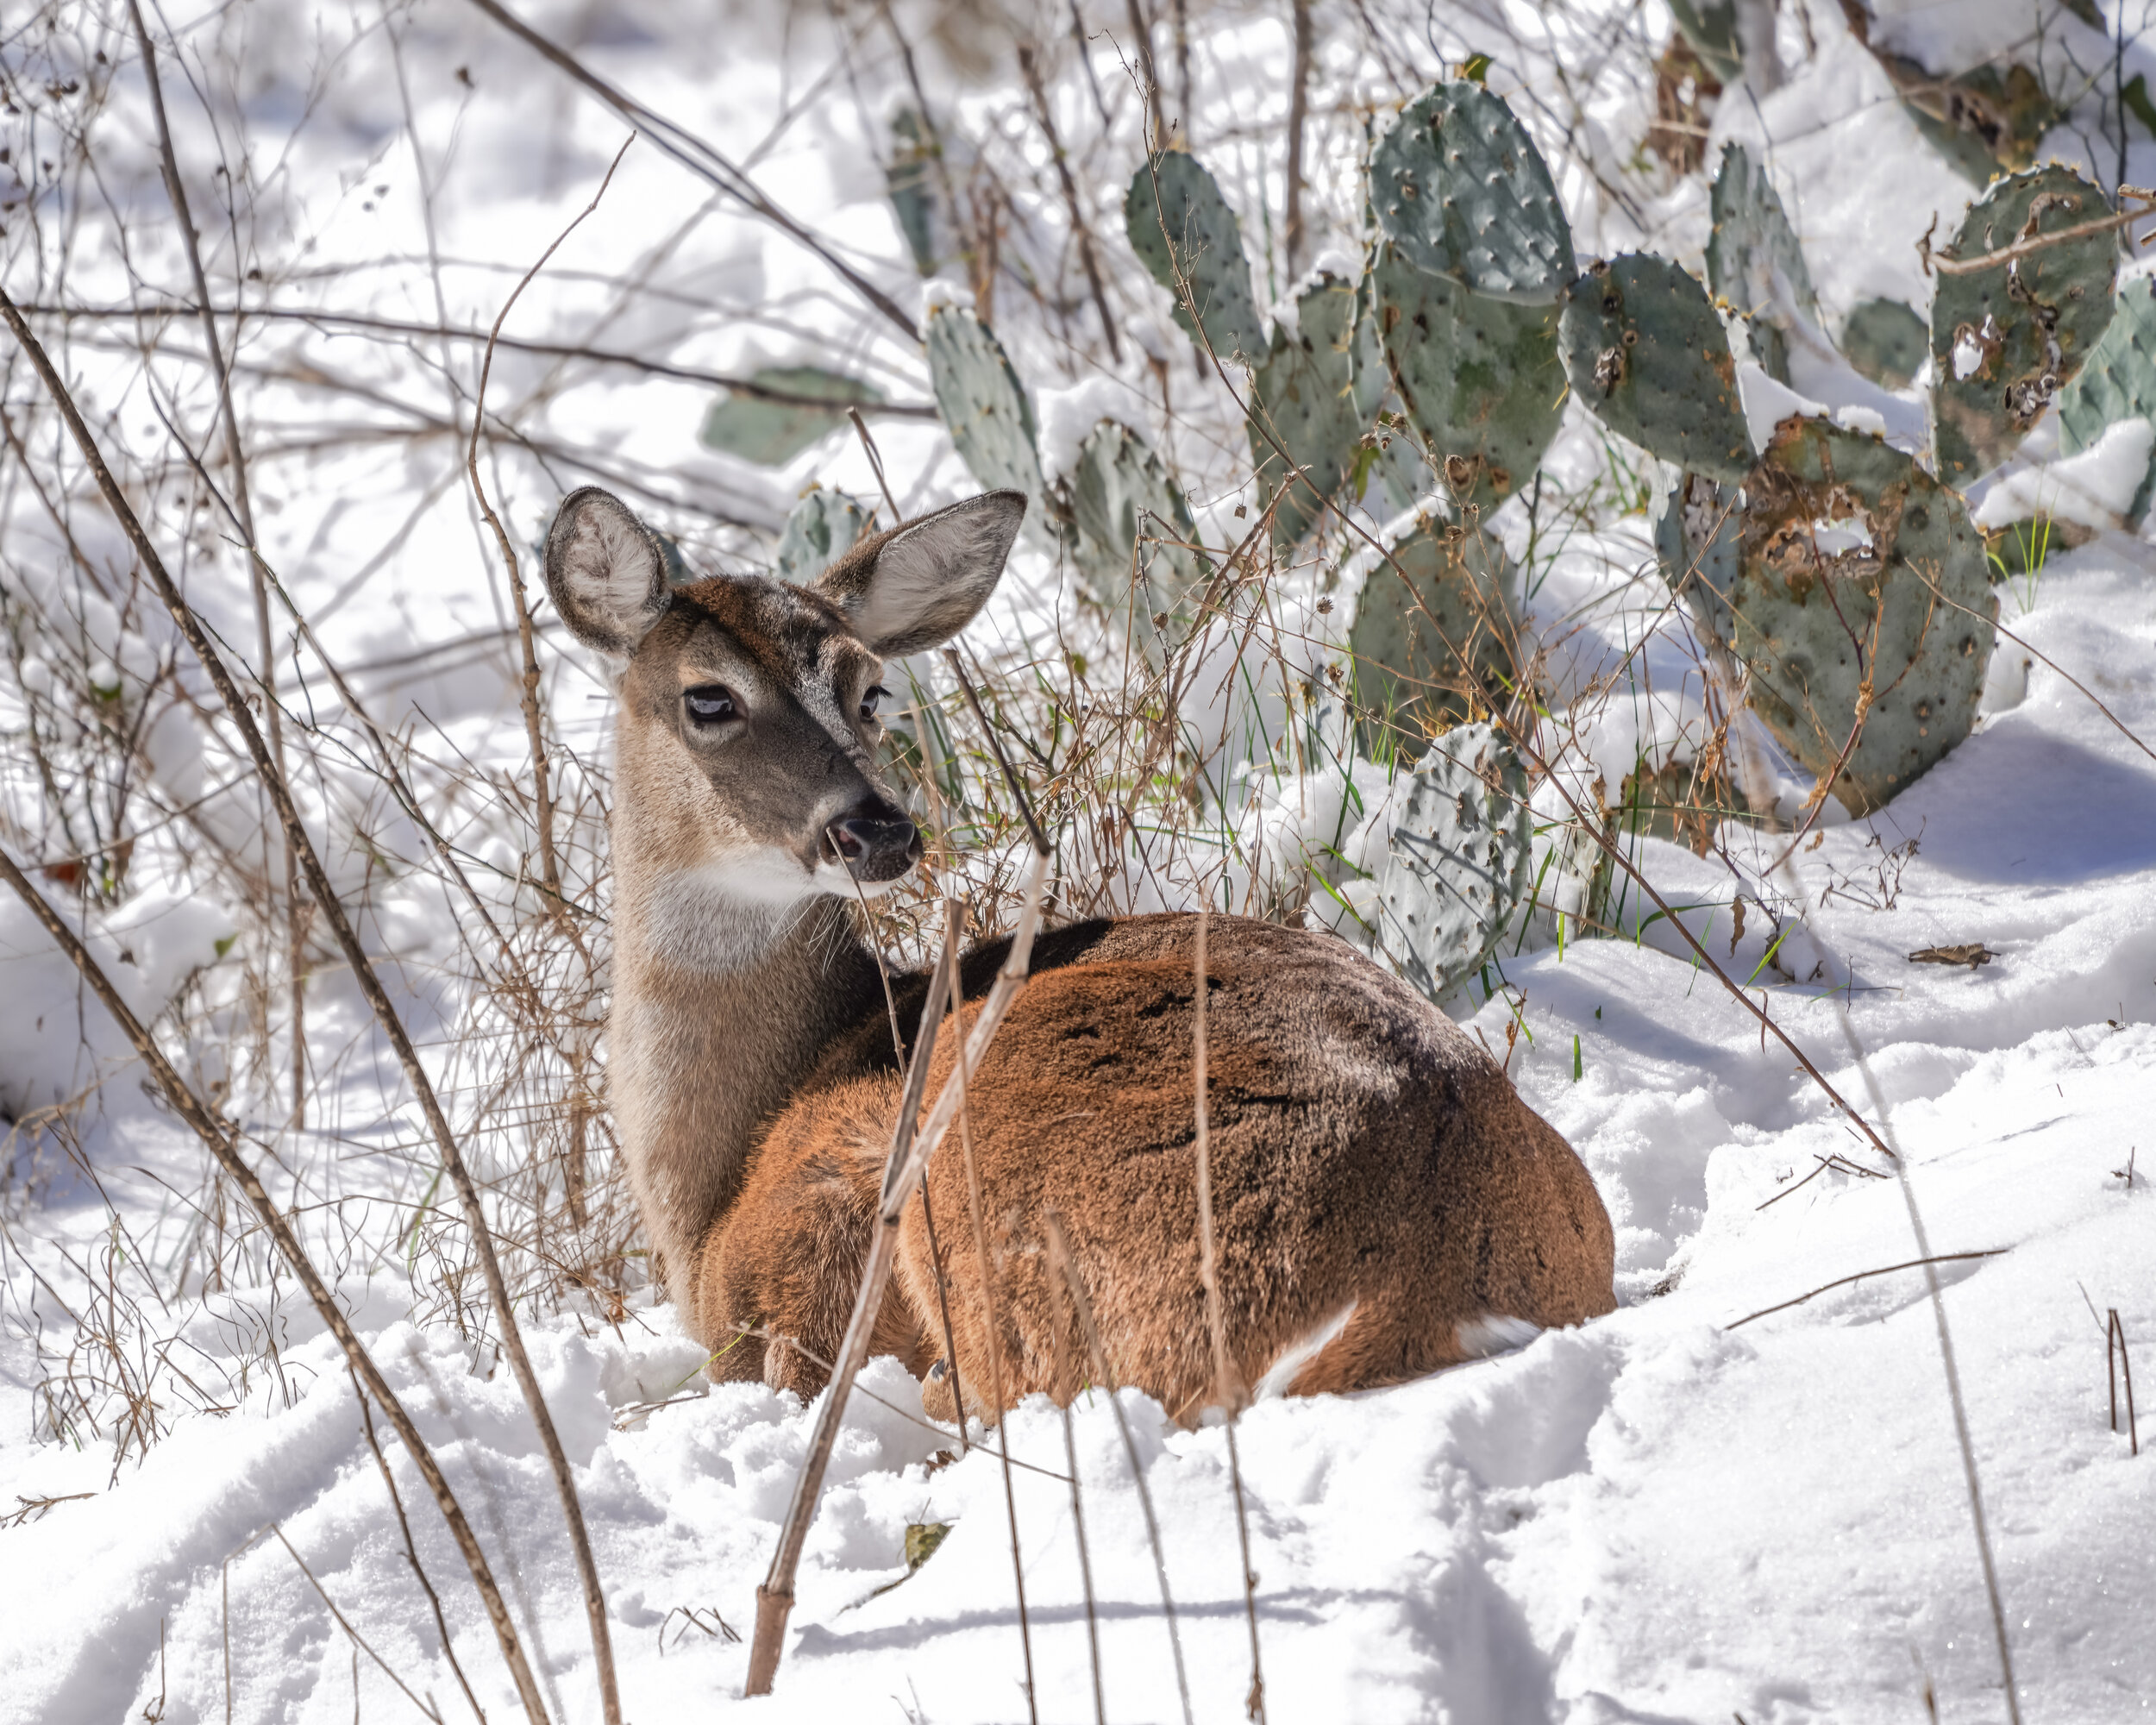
[1385,1204]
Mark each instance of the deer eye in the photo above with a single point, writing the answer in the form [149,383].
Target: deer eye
[868,702]
[709,703]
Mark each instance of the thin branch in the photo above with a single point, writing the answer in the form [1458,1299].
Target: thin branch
[327,901]
[295,904]
[702,160]
[749,387]
[1843,1281]
[358,1640]
[1063,1261]
[1029,65]
[220,1140]
[954,923]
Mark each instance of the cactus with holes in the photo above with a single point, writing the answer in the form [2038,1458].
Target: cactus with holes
[2007,339]
[2117,382]
[1186,235]
[1478,378]
[1436,637]
[1131,536]
[1457,865]
[1304,403]
[1753,259]
[821,530]
[1852,587]
[1647,355]
[1461,192]
[985,405]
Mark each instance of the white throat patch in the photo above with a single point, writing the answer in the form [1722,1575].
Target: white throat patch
[728,915]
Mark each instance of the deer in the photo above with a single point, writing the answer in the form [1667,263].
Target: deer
[1385,1204]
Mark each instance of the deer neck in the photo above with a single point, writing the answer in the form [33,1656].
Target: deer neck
[723,1007]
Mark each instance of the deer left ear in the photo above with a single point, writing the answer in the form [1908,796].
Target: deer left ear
[918,585]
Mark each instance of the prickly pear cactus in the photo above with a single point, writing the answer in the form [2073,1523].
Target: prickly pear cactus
[1461,191]
[2117,382]
[985,405]
[1479,378]
[1752,239]
[1184,233]
[1752,246]
[1886,341]
[1710,26]
[822,527]
[2007,339]
[1435,635]
[772,433]
[1304,397]
[1647,355]
[1131,534]
[909,179]
[1458,866]
[1829,578]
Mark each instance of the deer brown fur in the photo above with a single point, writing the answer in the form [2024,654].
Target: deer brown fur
[1384,1202]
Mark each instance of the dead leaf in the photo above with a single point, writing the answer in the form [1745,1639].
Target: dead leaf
[1974,953]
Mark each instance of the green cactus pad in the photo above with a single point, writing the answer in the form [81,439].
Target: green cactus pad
[985,405]
[1845,560]
[1751,244]
[2117,382]
[1458,864]
[1130,524]
[1886,341]
[1646,353]
[909,180]
[1462,192]
[772,433]
[1436,636]
[1710,26]
[1478,378]
[1181,227]
[822,528]
[1305,393]
[2033,321]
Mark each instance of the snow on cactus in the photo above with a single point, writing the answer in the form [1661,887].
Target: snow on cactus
[1462,836]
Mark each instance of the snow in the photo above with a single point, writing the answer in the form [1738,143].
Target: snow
[2095,487]
[1667,1514]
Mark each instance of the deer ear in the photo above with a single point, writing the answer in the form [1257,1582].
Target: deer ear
[920,583]
[604,572]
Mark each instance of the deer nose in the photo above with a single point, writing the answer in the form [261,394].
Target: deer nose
[875,842]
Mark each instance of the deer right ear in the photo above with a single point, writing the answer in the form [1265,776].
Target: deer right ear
[604,572]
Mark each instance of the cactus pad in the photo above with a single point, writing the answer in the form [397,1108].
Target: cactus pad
[1837,570]
[1886,342]
[1181,227]
[1458,863]
[1305,394]
[1435,635]
[1461,191]
[1753,240]
[822,528]
[1479,378]
[772,433]
[985,405]
[909,180]
[1752,245]
[2020,329]
[1647,353]
[2117,382]
[1130,535]
[1710,26]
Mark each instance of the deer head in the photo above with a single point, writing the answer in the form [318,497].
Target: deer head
[745,777]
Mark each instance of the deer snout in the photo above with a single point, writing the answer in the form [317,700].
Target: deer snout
[875,841]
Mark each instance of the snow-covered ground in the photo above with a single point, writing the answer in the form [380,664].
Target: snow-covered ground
[1681,1512]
